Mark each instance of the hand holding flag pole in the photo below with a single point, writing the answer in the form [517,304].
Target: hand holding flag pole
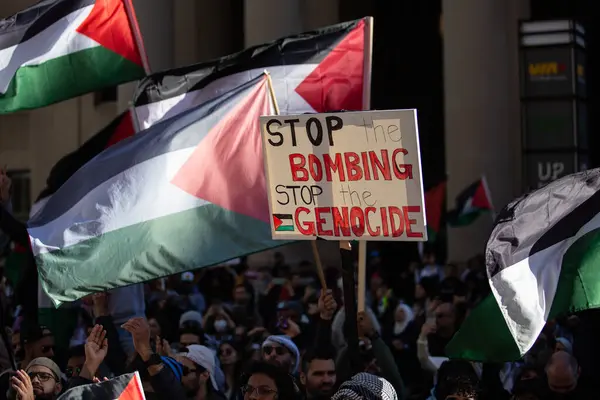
[313,243]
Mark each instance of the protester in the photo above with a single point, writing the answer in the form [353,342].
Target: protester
[269,331]
[266,381]
[318,375]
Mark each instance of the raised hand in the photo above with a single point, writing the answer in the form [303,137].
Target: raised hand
[163,347]
[327,305]
[21,383]
[96,348]
[140,331]
[292,330]
[365,325]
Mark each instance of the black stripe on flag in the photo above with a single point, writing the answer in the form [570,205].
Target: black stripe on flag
[30,22]
[116,388]
[181,132]
[283,216]
[543,218]
[305,48]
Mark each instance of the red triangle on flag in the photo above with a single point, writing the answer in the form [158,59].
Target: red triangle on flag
[133,390]
[480,198]
[226,169]
[108,25]
[123,130]
[277,222]
[337,82]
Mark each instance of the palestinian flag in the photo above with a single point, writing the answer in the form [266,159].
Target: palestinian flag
[59,49]
[123,387]
[435,200]
[542,262]
[164,201]
[283,222]
[317,71]
[470,204]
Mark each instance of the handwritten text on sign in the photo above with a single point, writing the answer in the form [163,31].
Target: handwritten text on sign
[338,176]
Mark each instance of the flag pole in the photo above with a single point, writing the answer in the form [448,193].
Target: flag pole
[134,118]
[313,243]
[137,35]
[486,188]
[366,103]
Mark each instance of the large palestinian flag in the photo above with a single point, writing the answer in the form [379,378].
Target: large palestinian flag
[123,387]
[186,193]
[542,262]
[316,71]
[59,49]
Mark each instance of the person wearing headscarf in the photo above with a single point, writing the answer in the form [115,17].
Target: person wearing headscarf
[281,351]
[401,336]
[365,386]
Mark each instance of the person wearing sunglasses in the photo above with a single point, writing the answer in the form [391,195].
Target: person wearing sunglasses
[40,381]
[199,373]
[282,352]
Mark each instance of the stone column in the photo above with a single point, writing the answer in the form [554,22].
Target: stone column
[266,20]
[482,113]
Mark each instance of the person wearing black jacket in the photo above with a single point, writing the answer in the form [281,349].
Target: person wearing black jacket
[164,382]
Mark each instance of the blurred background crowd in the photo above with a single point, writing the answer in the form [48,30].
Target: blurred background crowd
[216,323]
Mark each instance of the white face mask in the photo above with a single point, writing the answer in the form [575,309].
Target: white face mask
[220,325]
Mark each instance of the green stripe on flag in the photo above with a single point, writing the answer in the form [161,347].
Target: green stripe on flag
[151,249]
[484,336]
[285,228]
[578,288]
[66,77]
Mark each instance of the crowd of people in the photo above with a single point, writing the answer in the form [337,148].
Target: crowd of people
[233,332]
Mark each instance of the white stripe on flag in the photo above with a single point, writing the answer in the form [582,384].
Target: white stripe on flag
[140,193]
[285,81]
[59,39]
[525,290]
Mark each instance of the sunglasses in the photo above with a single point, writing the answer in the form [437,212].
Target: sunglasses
[42,376]
[71,372]
[269,349]
[259,390]
[198,369]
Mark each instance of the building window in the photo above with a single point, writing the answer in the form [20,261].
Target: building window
[21,193]
[107,95]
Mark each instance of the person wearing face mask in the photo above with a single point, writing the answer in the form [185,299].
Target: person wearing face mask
[218,326]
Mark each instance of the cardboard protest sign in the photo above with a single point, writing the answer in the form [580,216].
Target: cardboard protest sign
[344,176]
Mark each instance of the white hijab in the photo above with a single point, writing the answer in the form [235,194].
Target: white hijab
[399,327]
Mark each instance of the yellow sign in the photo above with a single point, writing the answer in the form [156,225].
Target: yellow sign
[544,69]
[580,71]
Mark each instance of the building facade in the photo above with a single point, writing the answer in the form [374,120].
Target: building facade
[473,130]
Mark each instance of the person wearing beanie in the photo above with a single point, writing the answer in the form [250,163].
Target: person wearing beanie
[40,380]
[281,351]
[365,386]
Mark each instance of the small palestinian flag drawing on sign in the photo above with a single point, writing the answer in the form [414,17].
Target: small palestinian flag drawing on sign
[283,222]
